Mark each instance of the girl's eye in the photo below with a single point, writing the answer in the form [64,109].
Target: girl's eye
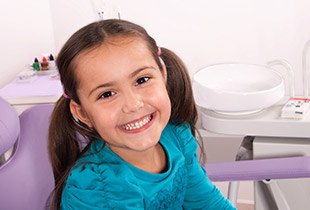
[106,95]
[142,80]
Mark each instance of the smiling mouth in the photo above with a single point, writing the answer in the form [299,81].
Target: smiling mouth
[138,124]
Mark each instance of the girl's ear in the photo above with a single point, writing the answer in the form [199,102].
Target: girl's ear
[79,114]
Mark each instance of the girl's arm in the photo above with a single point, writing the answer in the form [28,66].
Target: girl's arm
[200,192]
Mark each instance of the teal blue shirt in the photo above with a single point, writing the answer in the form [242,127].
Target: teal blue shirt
[102,180]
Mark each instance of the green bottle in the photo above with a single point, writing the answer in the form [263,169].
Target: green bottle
[36,65]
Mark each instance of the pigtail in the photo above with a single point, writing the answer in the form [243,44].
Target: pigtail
[180,90]
[63,147]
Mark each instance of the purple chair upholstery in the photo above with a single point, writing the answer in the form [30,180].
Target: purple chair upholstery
[260,170]
[9,126]
[26,179]
[273,168]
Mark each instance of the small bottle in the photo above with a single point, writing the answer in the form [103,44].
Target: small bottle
[36,65]
[51,62]
[44,64]
[51,57]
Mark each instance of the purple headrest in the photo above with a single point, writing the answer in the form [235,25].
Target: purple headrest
[9,126]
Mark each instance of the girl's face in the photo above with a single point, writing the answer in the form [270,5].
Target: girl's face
[123,95]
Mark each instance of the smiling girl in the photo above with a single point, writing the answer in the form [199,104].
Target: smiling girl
[132,102]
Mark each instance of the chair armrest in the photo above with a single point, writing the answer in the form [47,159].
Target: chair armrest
[274,168]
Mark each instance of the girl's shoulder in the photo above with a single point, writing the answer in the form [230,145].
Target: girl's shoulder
[181,136]
[94,177]
[96,166]
[98,186]
[179,130]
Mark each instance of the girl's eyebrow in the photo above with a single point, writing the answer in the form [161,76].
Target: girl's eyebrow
[108,84]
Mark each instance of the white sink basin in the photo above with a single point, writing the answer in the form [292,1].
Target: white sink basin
[237,88]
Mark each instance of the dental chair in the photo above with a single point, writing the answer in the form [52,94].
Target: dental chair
[26,177]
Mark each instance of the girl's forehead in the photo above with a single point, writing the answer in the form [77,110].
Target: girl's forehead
[110,54]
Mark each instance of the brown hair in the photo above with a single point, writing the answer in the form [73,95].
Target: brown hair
[64,146]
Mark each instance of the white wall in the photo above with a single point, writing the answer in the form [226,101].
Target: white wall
[26,32]
[202,32]
[205,32]
[68,16]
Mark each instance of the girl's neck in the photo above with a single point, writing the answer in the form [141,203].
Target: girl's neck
[153,160]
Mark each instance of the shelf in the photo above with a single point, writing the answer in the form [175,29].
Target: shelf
[264,123]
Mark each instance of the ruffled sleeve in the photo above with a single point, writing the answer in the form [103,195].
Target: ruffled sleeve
[100,186]
[200,192]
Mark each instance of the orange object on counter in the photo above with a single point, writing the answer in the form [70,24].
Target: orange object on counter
[44,64]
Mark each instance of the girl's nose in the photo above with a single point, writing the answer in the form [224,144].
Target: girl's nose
[132,103]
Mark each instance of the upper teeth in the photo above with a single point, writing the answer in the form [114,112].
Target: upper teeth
[136,125]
